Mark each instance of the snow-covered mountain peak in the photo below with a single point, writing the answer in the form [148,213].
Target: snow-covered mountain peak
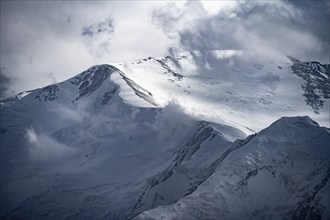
[268,174]
[91,79]
[299,122]
[233,87]
[99,84]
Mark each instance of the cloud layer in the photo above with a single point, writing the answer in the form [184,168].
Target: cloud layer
[269,28]
[97,37]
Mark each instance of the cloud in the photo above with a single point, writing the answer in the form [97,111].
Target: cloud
[69,113]
[67,37]
[172,121]
[97,36]
[43,148]
[36,39]
[314,17]
[269,28]
[5,83]
[75,113]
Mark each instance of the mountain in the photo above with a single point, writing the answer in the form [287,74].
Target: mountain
[280,173]
[169,138]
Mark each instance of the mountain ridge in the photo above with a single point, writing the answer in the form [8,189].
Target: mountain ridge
[200,205]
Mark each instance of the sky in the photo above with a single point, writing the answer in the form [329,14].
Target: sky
[44,42]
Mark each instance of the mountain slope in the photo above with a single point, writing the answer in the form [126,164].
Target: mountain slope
[280,173]
[76,146]
[237,88]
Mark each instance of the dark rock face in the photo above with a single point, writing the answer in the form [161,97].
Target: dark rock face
[177,76]
[317,81]
[47,94]
[92,79]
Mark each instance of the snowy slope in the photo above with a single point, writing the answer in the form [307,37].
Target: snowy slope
[280,173]
[121,141]
[239,88]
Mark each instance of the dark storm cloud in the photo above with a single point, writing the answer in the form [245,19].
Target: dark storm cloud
[272,28]
[4,81]
[97,36]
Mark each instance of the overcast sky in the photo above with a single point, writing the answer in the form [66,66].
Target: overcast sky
[44,42]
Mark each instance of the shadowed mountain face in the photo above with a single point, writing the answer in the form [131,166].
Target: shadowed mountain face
[102,145]
[316,84]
